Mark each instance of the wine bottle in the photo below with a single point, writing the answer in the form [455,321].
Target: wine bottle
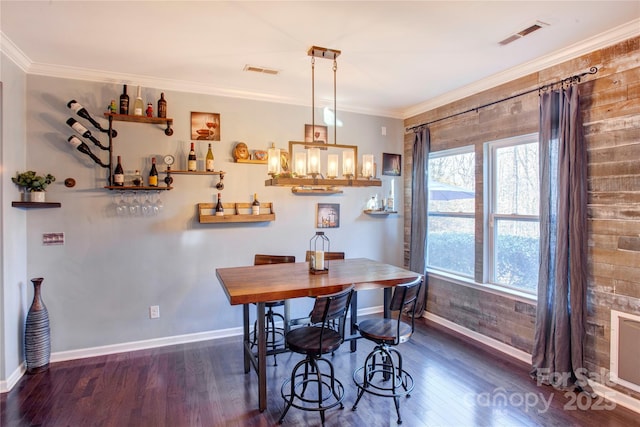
[118,174]
[82,112]
[255,206]
[138,105]
[192,163]
[153,174]
[84,148]
[219,208]
[124,101]
[162,106]
[209,162]
[84,132]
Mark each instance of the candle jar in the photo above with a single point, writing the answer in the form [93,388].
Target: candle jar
[318,246]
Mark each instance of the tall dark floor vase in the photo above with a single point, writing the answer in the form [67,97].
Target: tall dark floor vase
[37,335]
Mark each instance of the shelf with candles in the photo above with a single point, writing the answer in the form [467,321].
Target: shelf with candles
[306,165]
[318,182]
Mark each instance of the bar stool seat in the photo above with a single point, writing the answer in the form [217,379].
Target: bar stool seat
[323,336]
[383,373]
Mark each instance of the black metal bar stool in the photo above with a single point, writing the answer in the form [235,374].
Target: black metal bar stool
[383,373]
[313,341]
[274,336]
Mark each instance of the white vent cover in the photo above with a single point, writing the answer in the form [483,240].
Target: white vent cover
[257,69]
[520,34]
[624,356]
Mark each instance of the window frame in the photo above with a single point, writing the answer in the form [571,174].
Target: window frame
[490,216]
[467,149]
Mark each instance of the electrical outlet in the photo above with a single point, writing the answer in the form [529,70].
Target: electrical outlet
[154,311]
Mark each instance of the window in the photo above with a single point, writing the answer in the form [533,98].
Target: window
[451,211]
[512,223]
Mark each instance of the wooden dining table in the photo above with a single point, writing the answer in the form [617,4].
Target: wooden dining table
[258,284]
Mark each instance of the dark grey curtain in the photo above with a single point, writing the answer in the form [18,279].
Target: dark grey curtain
[419,200]
[557,356]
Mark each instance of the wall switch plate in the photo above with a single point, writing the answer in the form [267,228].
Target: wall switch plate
[49,239]
[154,312]
[383,130]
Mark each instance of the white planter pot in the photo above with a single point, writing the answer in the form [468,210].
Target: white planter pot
[36,196]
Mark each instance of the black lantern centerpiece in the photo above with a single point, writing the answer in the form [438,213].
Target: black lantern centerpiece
[318,246]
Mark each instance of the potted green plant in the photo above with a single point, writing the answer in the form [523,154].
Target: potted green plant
[33,185]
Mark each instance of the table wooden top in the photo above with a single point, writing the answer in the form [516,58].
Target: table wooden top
[273,282]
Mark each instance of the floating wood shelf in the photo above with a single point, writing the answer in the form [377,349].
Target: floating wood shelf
[195,172]
[311,182]
[141,119]
[312,190]
[381,212]
[234,213]
[36,205]
[138,188]
[252,162]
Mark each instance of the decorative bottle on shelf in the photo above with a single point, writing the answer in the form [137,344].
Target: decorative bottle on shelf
[82,112]
[153,174]
[84,132]
[137,179]
[138,105]
[192,163]
[124,101]
[390,202]
[37,334]
[219,207]
[118,174]
[255,206]
[209,161]
[162,107]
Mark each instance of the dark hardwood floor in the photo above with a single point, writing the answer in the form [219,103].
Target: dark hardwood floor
[203,384]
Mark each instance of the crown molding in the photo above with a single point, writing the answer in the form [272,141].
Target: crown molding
[608,38]
[14,53]
[615,35]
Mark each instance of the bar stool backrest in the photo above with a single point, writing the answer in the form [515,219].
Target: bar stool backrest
[262,259]
[404,301]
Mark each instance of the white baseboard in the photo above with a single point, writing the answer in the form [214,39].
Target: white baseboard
[493,343]
[7,385]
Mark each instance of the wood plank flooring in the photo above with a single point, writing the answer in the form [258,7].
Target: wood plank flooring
[458,383]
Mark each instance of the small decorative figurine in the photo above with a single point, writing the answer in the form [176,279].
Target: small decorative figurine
[241,151]
[149,110]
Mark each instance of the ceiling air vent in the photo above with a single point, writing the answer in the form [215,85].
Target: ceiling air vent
[535,27]
[256,69]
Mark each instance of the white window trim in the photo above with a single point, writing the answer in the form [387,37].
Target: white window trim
[489,207]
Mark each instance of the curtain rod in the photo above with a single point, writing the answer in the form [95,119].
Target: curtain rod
[568,80]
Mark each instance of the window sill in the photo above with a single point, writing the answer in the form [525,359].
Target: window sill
[485,287]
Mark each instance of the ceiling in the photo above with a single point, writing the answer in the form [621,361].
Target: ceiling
[398,58]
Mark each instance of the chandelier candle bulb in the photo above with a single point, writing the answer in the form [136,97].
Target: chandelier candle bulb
[314,161]
[367,165]
[273,160]
[301,164]
[347,163]
[332,166]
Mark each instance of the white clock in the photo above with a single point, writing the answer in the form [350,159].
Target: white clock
[169,160]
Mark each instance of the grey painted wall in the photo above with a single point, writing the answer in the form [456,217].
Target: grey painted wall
[13,221]
[99,285]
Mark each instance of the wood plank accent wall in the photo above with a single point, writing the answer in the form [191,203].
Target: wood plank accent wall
[610,103]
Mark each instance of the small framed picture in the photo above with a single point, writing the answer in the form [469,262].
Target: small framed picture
[205,126]
[328,215]
[317,134]
[391,164]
